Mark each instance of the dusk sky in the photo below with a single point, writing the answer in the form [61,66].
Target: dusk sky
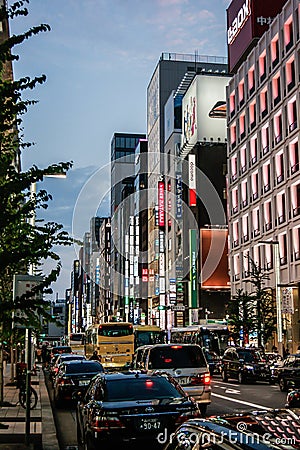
[98,58]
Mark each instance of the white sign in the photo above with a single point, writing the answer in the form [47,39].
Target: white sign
[287,301]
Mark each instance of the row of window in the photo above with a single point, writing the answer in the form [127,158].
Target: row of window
[274,171]
[266,63]
[263,254]
[275,211]
[282,123]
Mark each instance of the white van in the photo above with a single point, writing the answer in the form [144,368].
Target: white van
[185,362]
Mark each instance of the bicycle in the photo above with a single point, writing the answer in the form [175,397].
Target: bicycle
[33,397]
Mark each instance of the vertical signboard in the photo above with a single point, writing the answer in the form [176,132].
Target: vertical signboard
[192,180]
[178,195]
[193,269]
[161,204]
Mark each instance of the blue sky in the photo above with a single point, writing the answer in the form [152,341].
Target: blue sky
[98,58]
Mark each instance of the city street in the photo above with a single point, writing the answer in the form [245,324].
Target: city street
[229,397]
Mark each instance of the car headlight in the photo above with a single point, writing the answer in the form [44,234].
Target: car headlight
[248,367]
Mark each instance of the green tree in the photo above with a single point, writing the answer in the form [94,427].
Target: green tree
[22,242]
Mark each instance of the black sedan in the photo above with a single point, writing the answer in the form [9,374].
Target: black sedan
[259,430]
[288,375]
[73,376]
[131,408]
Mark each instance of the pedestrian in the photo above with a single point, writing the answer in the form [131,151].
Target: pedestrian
[38,353]
[95,356]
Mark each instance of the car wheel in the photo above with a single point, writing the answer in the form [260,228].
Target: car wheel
[203,409]
[282,385]
[241,378]
[224,375]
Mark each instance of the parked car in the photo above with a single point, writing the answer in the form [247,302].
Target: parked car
[245,364]
[185,362]
[59,359]
[289,373]
[129,407]
[260,430]
[73,376]
[58,349]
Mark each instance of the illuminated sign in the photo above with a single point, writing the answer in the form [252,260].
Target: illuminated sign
[238,22]
[161,204]
[192,180]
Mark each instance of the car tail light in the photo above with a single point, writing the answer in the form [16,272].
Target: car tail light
[186,416]
[201,378]
[64,381]
[106,422]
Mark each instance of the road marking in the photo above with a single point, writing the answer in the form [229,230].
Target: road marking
[254,405]
[229,390]
[223,382]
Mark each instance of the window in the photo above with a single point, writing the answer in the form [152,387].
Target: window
[234,200]
[275,50]
[243,159]
[266,173]
[296,242]
[235,233]
[262,65]
[251,84]
[232,103]
[276,88]
[265,138]
[279,169]
[244,193]
[290,73]
[233,134]
[255,221]
[268,215]
[280,203]
[278,127]
[282,248]
[245,228]
[268,250]
[292,114]
[236,267]
[252,114]
[242,125]
[294,156]
[288,33]
[253,149]
[241,89]
[263,102]
[295,199]
[246,263]
[254,185]
[233,166]
[257,255]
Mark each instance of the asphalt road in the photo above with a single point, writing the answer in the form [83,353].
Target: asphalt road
[226,398]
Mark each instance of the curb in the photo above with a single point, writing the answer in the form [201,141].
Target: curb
[49,435]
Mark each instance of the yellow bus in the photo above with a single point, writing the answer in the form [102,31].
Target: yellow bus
[114,342]
[148,335]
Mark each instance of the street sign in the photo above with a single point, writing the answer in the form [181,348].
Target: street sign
[178,308]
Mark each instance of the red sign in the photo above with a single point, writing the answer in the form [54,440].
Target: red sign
[161,204]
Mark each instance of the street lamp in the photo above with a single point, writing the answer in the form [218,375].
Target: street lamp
[275,244]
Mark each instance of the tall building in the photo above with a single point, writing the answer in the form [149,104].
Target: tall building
[263,157]
[122,186]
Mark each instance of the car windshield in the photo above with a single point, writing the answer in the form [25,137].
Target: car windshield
[84,367]
[254,356]
[176,356]
[139,389]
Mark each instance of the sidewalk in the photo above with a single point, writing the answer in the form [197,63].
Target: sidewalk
[12,418]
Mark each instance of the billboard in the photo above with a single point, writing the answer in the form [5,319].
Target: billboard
[248,20]
[192,180]
[161,204]
[201,98]
[214,259]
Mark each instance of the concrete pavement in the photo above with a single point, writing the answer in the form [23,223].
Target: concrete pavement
[12,418]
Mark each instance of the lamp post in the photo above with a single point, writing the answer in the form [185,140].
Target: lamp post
[275,245]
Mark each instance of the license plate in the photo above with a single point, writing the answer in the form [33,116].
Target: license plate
[83,382]
[183,380]
[149,424]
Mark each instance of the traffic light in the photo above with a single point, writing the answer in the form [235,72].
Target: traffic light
[161,307]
